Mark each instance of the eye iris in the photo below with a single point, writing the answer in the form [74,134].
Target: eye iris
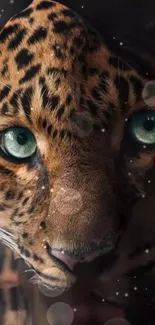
[18,142]
[141,129]
[22,138]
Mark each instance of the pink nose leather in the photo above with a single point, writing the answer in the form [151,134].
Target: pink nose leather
[66,259]
[71,261]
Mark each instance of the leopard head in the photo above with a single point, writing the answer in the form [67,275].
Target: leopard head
[68,109]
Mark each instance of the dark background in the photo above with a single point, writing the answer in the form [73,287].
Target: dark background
[131,22]
[119,16]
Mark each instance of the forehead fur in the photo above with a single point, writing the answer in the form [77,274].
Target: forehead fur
[53,65]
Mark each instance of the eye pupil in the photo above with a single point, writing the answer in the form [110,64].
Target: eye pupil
[22,138]
[148,125]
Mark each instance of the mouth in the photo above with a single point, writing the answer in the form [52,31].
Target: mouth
[67,260]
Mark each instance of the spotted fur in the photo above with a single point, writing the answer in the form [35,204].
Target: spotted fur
[59,80]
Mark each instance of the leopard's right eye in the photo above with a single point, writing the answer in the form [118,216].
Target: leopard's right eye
[140,132]
[18,142]
[142,127]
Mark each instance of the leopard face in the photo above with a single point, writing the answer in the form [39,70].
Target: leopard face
[67,110]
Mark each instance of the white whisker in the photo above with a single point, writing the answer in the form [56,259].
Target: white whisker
[25,261]
[18,258]
[34,279]
[28,270]
[7,233]
[8,239]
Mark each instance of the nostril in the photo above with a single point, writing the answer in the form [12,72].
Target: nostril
[61,256]
[48,249]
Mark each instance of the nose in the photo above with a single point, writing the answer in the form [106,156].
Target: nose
[79,255]
[65,258]
[62,256]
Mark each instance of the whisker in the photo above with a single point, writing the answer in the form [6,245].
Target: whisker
[28,270]
[6,232]
[18,258]
[9,87]
[8,239]
[33,279]
[4,84]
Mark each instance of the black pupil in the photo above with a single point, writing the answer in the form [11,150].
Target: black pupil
[22,138]
[148,125]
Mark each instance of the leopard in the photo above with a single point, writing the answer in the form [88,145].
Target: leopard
[77,152]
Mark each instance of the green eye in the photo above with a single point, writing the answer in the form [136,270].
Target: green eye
[18,142]
[142,127]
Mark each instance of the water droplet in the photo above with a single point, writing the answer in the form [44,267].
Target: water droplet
[69,199]
[148,93]
[117,321]
[52,290]
[60,313]
[82,124]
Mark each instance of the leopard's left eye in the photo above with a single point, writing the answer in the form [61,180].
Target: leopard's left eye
[141,128]
[18,142]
